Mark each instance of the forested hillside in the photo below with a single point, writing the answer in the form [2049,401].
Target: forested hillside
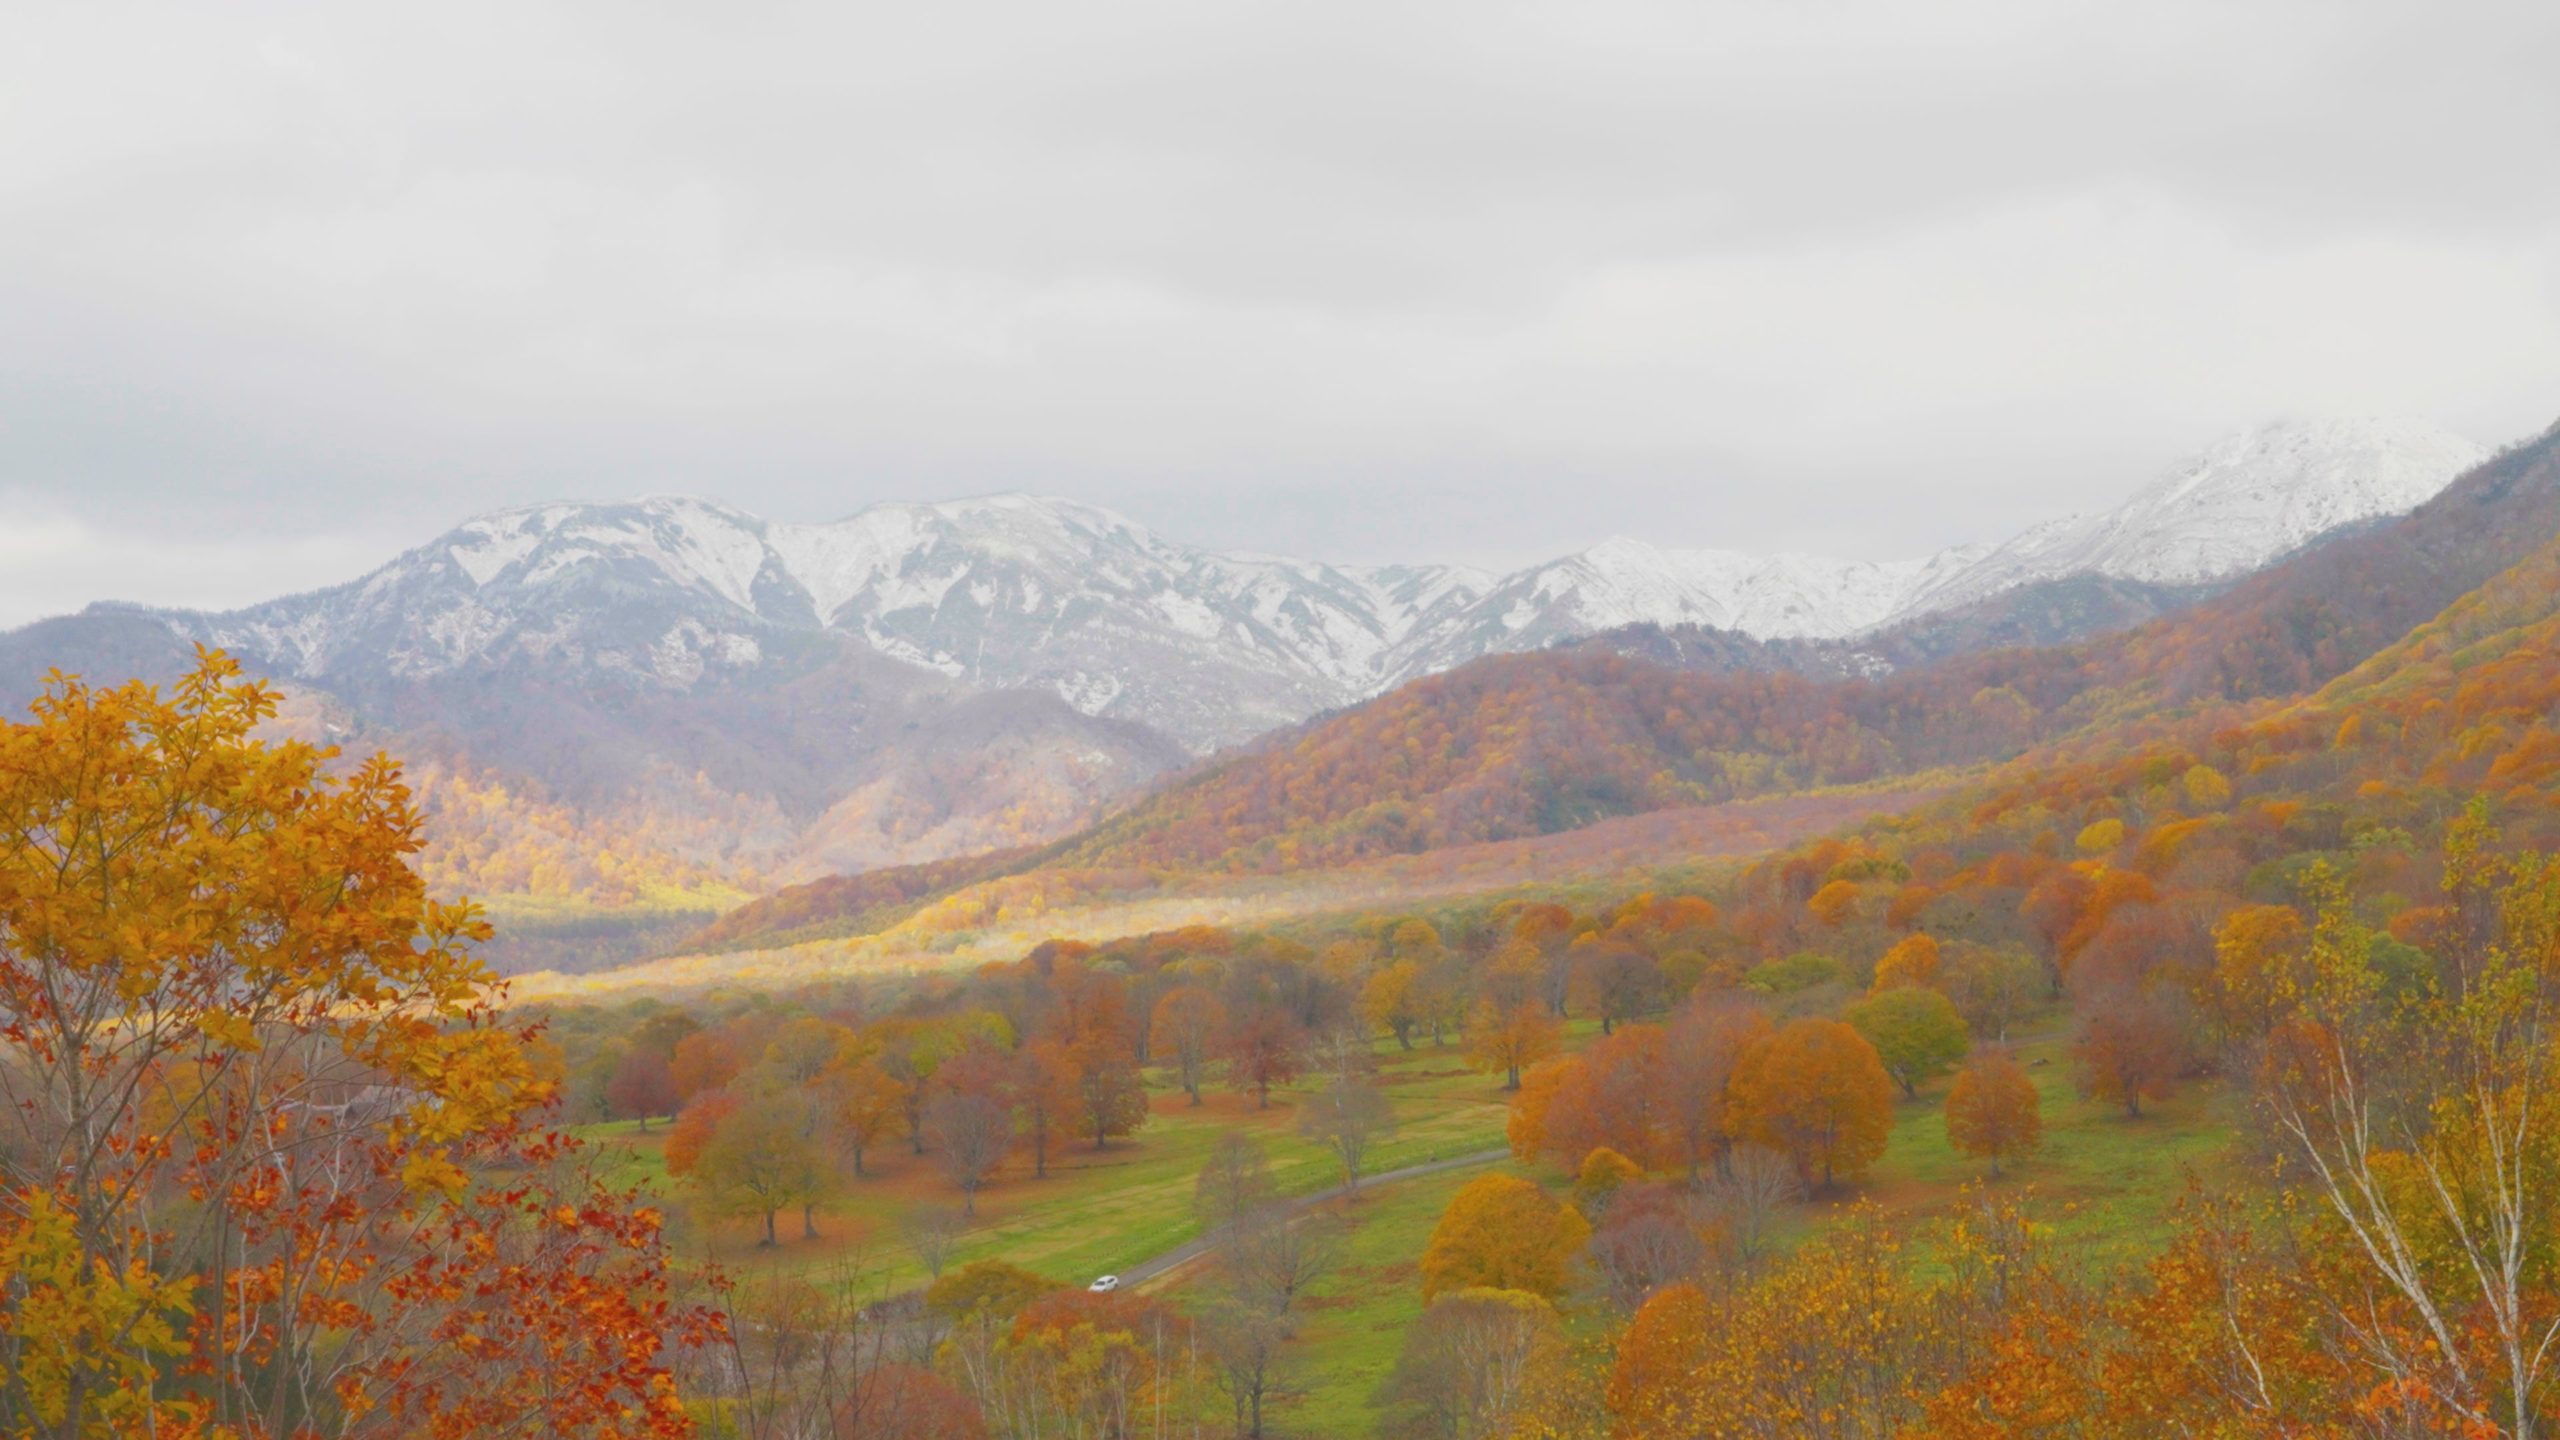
[2081,1101]
[1531,744]
[2338,908]
[1536,743]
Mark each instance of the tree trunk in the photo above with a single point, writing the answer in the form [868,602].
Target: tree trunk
[808,1222]
[769,1240]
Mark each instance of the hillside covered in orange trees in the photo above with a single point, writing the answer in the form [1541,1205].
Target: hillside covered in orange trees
[2273,977]
[1535,744]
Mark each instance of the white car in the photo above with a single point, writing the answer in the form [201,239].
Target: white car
[1105,1285]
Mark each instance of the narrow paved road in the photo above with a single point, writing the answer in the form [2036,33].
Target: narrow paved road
[1181,1255]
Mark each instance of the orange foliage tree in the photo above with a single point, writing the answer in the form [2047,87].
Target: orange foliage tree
[1993,1110]
[1262,1049]
[2131,1048]
[1913,960]
[694,1128]
[1816,1092]
[1656,1354]
[1613,1096]
[1391,1000]
[266,1135]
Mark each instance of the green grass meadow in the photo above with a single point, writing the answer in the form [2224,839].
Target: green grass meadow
[2105,1182]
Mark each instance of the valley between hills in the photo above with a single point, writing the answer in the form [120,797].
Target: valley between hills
[1544,721]
[1923,1031]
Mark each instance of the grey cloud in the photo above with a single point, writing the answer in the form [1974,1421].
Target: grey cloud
[1457,281]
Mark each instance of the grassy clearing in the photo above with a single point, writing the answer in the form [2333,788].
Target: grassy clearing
[1095,1212]
[2106,1182]
[1355,1320]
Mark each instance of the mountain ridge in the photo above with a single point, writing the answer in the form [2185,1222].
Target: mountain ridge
[671,700]
[1011,590]
[1514,746]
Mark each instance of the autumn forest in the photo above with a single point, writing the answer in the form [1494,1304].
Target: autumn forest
[2144,1035]
[1411,721]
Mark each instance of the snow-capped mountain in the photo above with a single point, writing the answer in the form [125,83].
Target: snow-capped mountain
[1006,592]
[654,696]
[2251,499]
[1014,592]
[1627,582]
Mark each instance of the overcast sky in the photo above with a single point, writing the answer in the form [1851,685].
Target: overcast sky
[286,288]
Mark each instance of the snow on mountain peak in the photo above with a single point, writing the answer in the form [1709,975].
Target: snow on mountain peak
[1017,590]
[2240,504]
[2258,493]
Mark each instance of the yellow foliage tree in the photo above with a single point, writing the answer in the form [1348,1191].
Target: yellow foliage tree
[2260,955]
[1503,1233]
[2100,836]
[1511,1038]
[1834,903]
[223,985]
[1604,1173]
[1391,1000]
[1913,960]
[2205,787]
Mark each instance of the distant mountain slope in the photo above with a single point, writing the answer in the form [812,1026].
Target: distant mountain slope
[1529,744]
[565,792]
[1019,593]
[2363,775]
[2038,613]
[2250,499]
[661,702]
[1624,582]
[1008,592]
